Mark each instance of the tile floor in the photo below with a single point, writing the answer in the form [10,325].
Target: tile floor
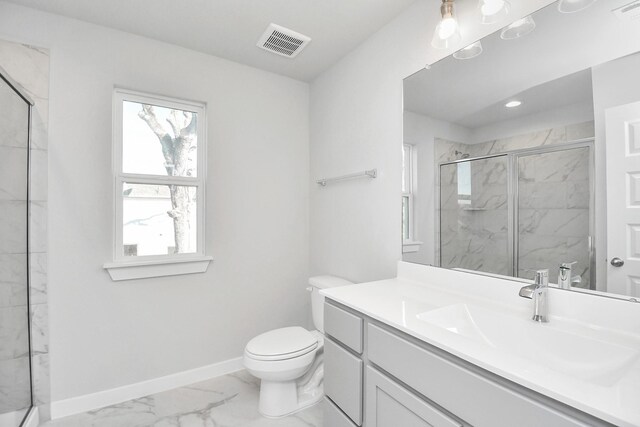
[227,401]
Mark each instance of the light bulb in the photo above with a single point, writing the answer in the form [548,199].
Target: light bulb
[447,27]
[491,7]
[492,11]
[447,33]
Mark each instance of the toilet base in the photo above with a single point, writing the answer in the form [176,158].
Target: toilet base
[282,398]
[278,399]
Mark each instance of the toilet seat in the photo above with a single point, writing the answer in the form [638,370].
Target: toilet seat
[282,344]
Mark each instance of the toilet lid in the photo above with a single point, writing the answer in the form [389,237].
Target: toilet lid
[282,343]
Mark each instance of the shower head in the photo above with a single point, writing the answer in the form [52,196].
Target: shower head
[461,154]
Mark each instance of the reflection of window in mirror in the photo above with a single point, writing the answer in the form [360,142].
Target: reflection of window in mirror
[409,240]
[464,183]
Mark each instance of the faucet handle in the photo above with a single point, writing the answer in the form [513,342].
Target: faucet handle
[537,272]
[568,264]
[542,277]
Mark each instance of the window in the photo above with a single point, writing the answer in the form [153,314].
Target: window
[159,147]
[409,243]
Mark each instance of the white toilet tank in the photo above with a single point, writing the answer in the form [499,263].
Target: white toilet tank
[317,301]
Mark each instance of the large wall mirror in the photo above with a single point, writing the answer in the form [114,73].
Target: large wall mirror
[527,155]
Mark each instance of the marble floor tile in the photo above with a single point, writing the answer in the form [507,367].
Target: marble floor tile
[227,401]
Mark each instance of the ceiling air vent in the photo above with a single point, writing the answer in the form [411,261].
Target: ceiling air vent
[628,11]
[283,41]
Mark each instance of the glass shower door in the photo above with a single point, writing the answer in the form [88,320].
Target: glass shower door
[474,215]
[554,212]
[15,374]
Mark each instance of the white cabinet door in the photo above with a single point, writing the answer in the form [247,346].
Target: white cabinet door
[623,199]
[390,405]
[343,380]
[332,416]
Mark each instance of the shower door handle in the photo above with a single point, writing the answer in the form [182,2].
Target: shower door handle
[617,262]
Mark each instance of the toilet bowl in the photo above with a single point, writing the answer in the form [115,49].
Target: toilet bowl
[281,358]
[289,361]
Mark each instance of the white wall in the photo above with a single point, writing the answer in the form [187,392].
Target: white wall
[549,119]
[106,334]
[356,124]
[421,131]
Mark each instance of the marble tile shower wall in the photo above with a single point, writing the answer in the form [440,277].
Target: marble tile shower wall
[15,392]
[29,67]
[554,211]
[475,224]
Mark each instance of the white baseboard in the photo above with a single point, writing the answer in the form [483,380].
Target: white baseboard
[15,418]
[33,419]
[89,402]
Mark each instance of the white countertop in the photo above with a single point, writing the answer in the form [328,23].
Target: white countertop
[398,302]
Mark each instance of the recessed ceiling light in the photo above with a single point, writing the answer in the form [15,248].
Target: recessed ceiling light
[513,104]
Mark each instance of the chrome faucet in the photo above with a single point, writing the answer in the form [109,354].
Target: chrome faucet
[538,293]
[565,281]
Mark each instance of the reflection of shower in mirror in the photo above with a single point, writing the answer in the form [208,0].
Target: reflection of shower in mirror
[461,155]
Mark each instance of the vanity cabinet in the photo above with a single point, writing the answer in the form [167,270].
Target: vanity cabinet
[392,379]
[344,385]
[391,405]
[333,416]
[344,327]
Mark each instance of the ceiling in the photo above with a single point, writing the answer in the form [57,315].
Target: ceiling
[573,89]
[472,92]
[231,28]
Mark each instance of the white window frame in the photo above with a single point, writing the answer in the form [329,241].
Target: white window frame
[137,267]
[411,244]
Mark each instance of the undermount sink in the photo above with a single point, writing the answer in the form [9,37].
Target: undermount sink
[574,353]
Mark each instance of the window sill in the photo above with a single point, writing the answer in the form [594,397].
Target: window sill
[157,268]
[411,246]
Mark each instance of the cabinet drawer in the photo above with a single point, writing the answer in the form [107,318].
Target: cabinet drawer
[332,416]
[343,380]
[474,398]
[390,405]
[344,327]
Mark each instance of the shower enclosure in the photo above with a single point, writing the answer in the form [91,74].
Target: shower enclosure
[519,211]
[15,351]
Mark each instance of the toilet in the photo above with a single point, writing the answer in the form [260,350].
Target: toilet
[289,361]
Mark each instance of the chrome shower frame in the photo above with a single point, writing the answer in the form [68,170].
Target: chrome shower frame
[15,86]
[513,194]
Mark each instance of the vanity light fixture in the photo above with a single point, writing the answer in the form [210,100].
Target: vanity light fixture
[492,11]
[447,32]
[519,28]
[513,104]
[469,52]
[571,6]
